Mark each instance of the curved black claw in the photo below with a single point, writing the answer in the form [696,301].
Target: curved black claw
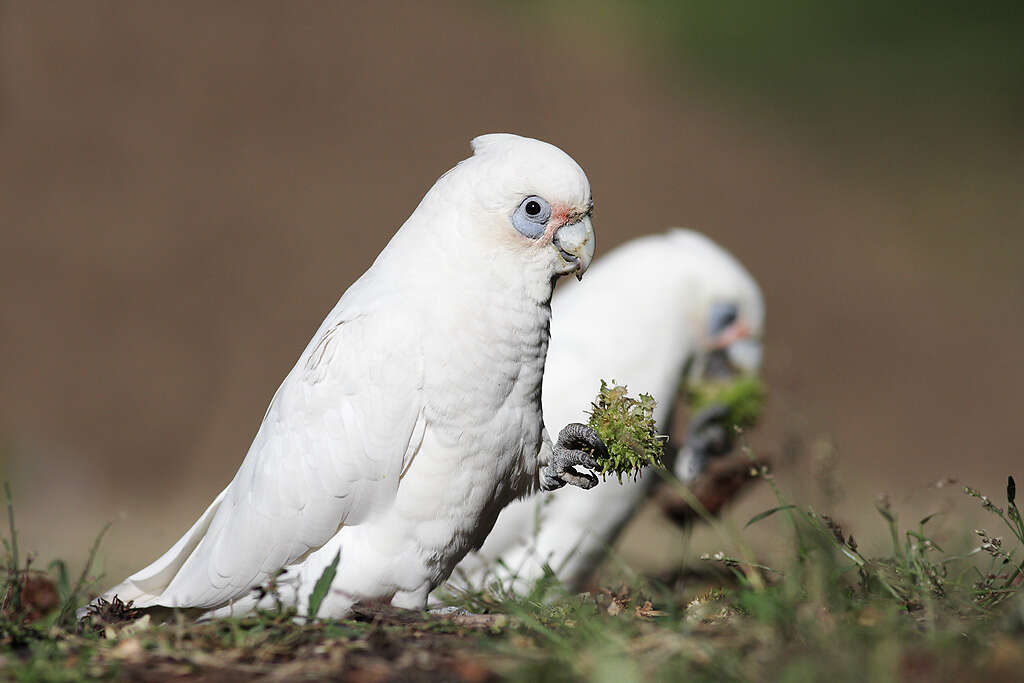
[566,455]
[706,437]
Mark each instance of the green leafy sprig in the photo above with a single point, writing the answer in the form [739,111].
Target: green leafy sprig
[627,427]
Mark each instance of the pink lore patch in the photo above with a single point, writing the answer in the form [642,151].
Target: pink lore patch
[738,331]
[559,216]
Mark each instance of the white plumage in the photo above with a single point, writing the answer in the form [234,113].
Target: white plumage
[413,416]
[655,298]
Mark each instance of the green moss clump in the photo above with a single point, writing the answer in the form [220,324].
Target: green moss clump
[626,425]
[744,395]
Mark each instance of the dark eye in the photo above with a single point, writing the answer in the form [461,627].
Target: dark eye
[531,216]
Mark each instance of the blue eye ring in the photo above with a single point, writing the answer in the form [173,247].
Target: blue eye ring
[531,216]
[723,316]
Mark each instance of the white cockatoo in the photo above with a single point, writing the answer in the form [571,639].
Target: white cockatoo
[414,414]
[669,306]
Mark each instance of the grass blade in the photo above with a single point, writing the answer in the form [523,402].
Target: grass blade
[768,513]
[71,602]
[13,596]
[323,584]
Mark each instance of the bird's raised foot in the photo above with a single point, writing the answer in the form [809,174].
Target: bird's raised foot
[707,437]
[568,453]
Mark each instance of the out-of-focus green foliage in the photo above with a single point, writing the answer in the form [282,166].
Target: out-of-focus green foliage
[744,395]
[802,51]
[797,44]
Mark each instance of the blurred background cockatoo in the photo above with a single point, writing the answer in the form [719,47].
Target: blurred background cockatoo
[414,414]
[656,312]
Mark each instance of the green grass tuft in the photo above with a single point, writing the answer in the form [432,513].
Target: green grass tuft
[744,395]
[830,608]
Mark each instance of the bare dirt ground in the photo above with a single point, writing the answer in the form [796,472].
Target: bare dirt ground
[186,190]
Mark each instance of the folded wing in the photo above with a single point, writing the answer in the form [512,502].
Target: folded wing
[330,452]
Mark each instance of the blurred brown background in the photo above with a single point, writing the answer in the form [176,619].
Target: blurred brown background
[186,189]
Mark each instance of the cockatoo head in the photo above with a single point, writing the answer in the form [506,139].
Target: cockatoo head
[726,311]
[684,303]
[524,198]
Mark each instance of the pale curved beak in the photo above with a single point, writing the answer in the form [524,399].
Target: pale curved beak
[746,355]
[574,243]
